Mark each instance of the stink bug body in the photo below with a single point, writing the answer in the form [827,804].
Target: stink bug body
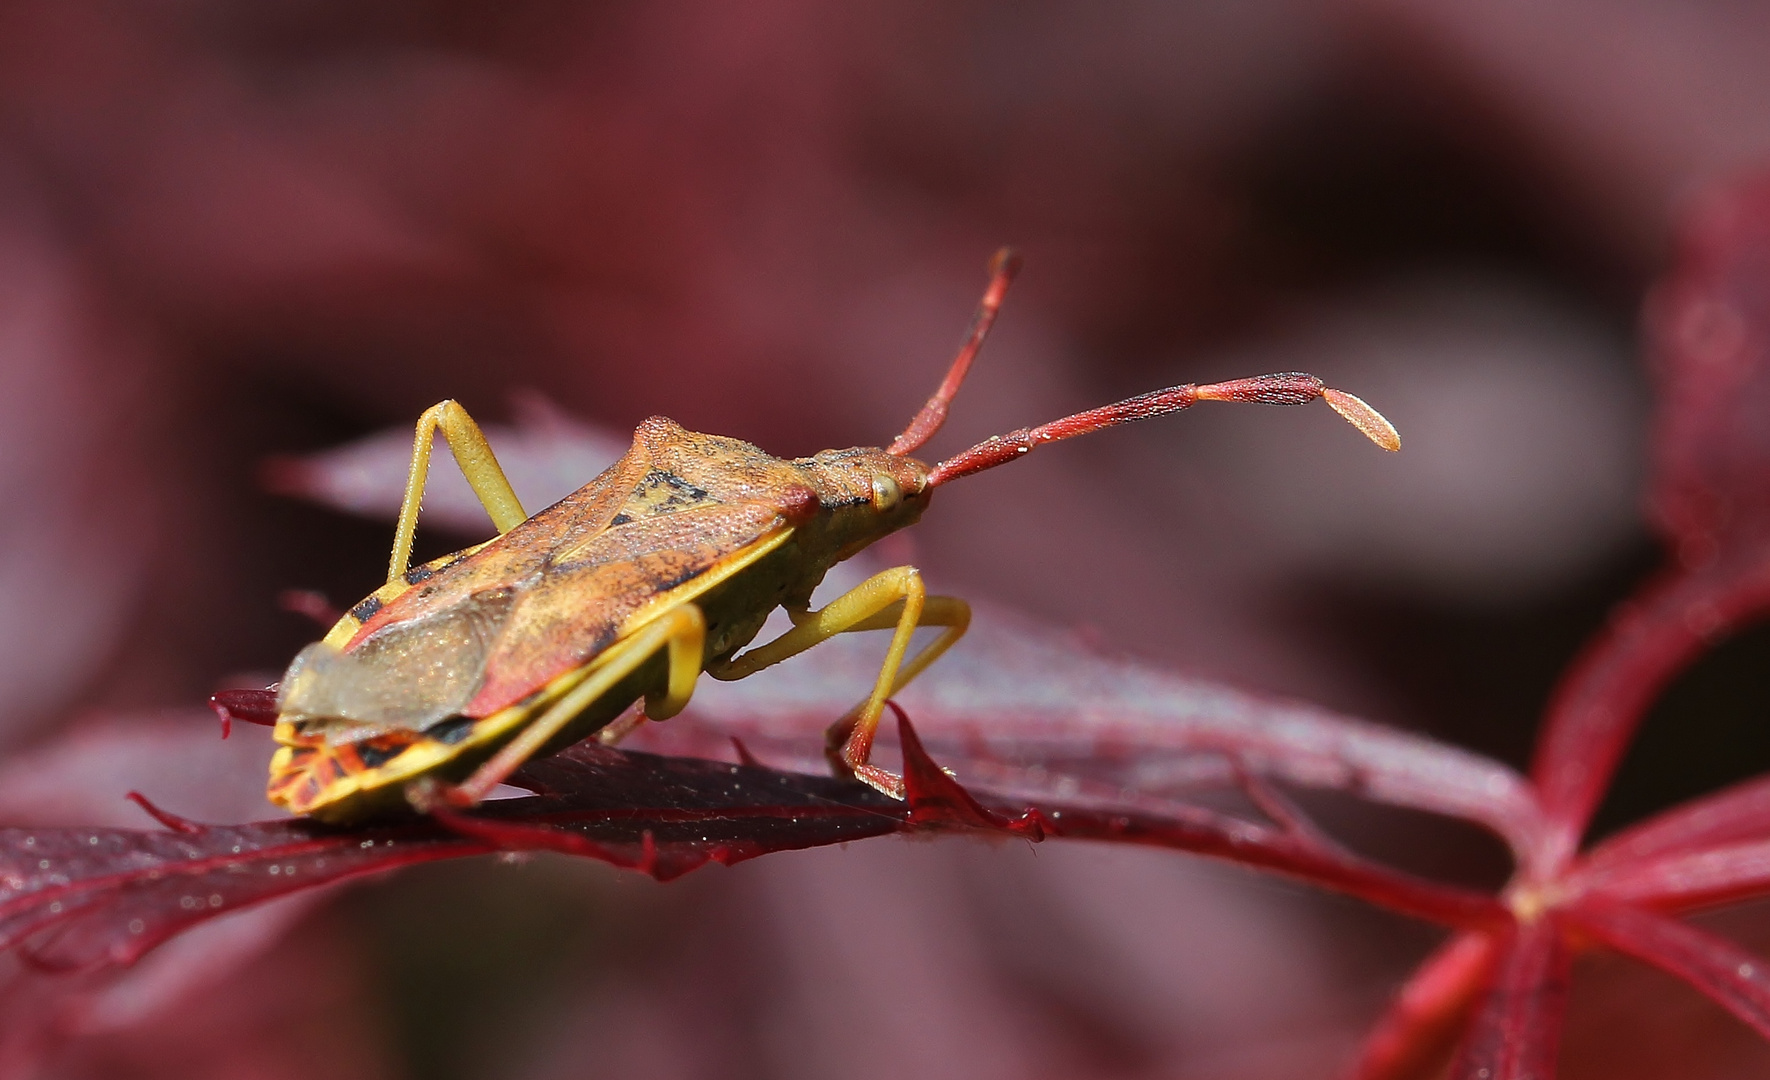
[447,678]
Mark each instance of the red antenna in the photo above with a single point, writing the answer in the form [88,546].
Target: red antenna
[1286,388]
[1002,269]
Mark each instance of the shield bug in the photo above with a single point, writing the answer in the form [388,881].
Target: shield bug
[443,681]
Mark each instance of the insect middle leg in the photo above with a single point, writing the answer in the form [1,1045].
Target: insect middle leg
[682,630]
[474,455]
[893,599]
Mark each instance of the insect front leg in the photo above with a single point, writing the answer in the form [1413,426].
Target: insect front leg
[478,464]
[682,630]
[893,599]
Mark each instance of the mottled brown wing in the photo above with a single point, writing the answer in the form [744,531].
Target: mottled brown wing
[514,560]
[583,601]
[420,649]
[490,627]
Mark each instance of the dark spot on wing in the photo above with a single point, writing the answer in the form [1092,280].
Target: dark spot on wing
[619,519]
[661,492]
[452,730]
[687,573]
[417,574]
[366,610]
[375,756]
[675,483]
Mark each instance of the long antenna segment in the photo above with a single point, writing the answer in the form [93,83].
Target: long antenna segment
[1002,269]
[1285,388]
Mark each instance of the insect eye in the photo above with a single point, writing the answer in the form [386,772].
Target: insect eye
[886,493]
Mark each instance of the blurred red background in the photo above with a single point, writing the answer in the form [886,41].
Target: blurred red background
[232,231]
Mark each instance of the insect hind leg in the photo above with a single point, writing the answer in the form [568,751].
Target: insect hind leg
[848,743]
[893,600]
[681,631]
[478,464]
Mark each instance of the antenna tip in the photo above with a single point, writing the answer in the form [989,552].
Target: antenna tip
[1372,423]
[1005,263]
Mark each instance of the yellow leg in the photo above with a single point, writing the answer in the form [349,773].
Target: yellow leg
[474,455]
[893,599]
[682,630]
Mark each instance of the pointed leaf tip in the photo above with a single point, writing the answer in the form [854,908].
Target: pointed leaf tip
[1375,425]
[938,800]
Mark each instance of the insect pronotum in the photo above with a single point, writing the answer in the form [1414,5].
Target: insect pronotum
[437,686]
